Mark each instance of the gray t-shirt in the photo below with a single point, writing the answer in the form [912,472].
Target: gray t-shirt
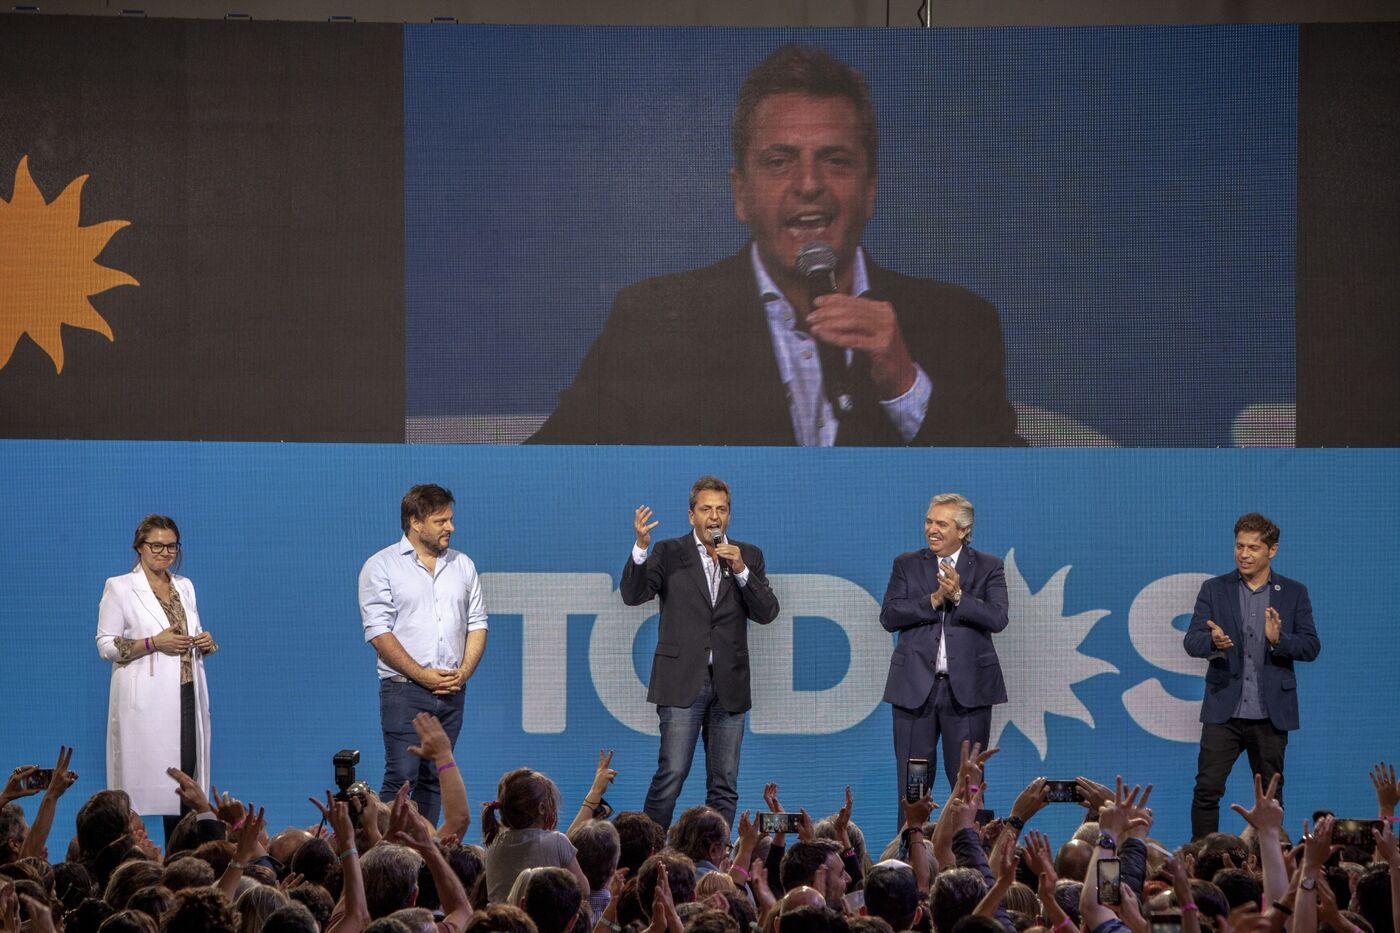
[515,850]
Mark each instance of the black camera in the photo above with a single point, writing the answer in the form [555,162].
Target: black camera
[345,761]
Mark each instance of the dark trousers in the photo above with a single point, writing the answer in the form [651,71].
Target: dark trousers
[400,699]
[917,732]
[1221,745]
[722,732]
[188,758]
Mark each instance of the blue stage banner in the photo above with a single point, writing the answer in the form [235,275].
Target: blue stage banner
[1104,553]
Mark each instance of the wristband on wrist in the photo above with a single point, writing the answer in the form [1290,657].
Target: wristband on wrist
[1015,822]
[148,646]
[1190,905]
[736,870]
[1065,924]
[849,853]
[447,767]
[610,924]
[347,853]
[591,804]
[1283,908]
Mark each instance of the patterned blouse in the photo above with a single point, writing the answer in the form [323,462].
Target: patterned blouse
[129,649]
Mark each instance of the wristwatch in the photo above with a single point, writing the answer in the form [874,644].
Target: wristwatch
[1307,884]
[1106,841]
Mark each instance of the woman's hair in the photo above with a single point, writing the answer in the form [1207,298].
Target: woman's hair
[255,904]
[128,878]
[525,799]
[129,921]
[149,524]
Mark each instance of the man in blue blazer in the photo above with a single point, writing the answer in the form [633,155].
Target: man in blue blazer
[1252,624]
[945,602]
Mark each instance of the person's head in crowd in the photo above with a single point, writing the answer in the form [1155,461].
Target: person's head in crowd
[200,910]
[153,899]
[187,872]
[1020,897]
[1209,899]
[525,799]
[680,874]
[256,904]
[826,829]
[715,882]
[801,99]
[72,884]
[103,818]
[28,887]
[17,870]
[801,862]
[217,852]
[1067,894]
[630,908]
[702,835]
[1240,886]
[975,924]
[466,863]
[1359,924]
[892,894]
[285,844]
[810,918]
[1220,850]
[954,895]
[87,916]
[391,878]
[260,874]
[129,921]
[501,918]
[710,920]
[551,898]
[314,860]
[598,848]
[291,918]
[417,919]
[184,836]
[639,837]
[1373,897]
[740,908]
[868,924]
[387,925]
[128,878]
[1072,861]
[13,828]
[1339,878]
[315,899]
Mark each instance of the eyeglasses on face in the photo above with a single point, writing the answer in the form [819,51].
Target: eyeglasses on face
[159,548]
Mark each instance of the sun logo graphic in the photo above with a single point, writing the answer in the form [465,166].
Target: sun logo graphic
[48,267]
[1041,644]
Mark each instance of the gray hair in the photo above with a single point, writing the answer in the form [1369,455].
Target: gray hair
[417,919]
[962,511]
[391,877]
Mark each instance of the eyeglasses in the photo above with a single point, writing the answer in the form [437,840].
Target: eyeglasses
[158,548]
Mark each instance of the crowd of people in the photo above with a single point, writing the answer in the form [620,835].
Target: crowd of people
[373,865]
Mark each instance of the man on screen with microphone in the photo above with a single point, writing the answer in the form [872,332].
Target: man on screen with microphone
[710,586]
[799,338]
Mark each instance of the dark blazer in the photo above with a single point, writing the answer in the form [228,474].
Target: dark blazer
[974,671]
[691,628]
[1219,601]
[646,380]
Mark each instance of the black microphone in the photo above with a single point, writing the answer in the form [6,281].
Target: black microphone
[724,570]
[816,263]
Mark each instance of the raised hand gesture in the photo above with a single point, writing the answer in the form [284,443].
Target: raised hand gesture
[337,814]
[226,807]
[1387,790]
[603,776]
[842,824]
[433,743]
[1267,813]
[972,761]
[189,791]
[642,525]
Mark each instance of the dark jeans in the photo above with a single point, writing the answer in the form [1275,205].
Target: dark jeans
[917,733]
[722,733]
[399,702]
[188,756]
[1221,745]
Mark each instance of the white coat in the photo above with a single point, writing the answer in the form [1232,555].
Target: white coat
[143,713]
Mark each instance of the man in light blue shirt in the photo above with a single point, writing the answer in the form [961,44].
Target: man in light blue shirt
[421,607]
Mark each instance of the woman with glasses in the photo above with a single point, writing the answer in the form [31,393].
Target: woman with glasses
[158,714]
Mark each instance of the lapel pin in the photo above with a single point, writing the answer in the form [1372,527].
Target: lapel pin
[1277,588]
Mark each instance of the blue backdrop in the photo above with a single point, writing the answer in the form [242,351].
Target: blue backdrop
[1104,549]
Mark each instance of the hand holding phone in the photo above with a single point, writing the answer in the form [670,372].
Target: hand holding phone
[1063,792]
[916,780]
[779,822]
[1109,888]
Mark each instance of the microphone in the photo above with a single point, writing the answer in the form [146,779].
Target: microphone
[816,263]
[717,539]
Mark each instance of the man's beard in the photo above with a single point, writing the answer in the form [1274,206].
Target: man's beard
[433,545]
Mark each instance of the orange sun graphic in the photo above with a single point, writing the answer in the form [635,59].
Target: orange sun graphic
[48,267]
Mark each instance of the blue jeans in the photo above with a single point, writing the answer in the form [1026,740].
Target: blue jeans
[398,704]
[722,733]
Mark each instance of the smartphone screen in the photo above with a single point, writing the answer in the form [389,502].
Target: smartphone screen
[778,822]
[1062,792]
[1110,892]
[916,781]
[38,780]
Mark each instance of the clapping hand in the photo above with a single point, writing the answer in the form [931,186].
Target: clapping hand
[1218,638]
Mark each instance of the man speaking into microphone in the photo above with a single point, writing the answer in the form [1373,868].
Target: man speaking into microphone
[800,338]
[710,586]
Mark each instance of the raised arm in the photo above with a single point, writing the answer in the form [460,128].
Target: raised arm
[435,746]
[36,840]
[602,777]
[1266,816]
[407,828]
[641,575]
[759,602]
[352,912]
